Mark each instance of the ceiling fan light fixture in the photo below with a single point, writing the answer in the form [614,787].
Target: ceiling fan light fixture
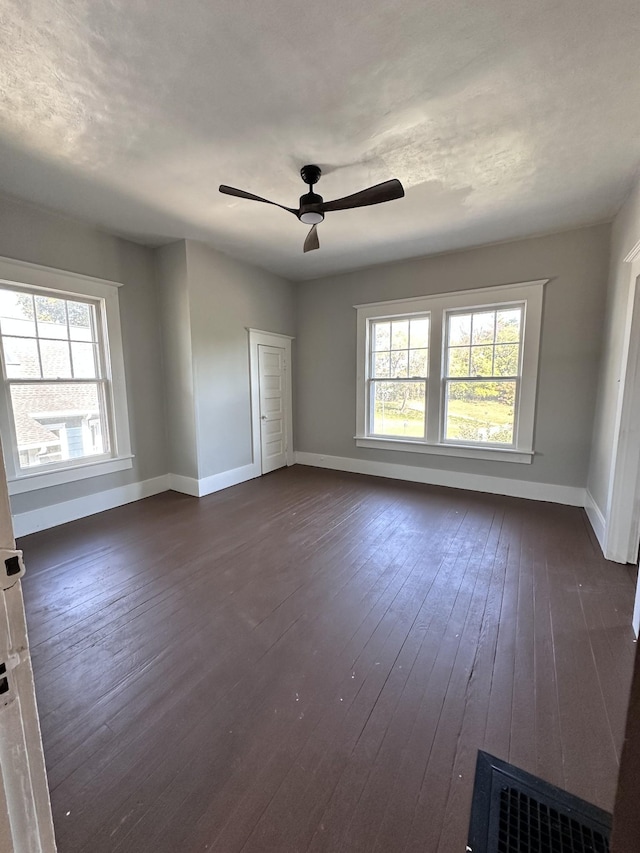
[311,217]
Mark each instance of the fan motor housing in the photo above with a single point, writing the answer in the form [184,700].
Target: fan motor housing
[309,211]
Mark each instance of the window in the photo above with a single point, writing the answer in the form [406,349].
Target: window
[399,365]
[482,375]
[451,374]
[63,413]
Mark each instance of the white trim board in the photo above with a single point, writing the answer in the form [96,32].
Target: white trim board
[623,500]
[596,518]
[467,293]
[569,495]
[184,485]
[45,479]
[23,272]
[60,513]
[214,483]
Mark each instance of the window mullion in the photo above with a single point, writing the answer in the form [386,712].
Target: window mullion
[434,382]
[37,328]
[516,412]
[71,362]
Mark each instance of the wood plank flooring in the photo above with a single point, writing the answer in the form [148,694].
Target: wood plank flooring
[311,660]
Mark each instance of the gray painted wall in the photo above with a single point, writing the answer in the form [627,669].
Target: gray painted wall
[575,261]
[624,236]
[173,290]
[226,298]
[206,300]
[28,233]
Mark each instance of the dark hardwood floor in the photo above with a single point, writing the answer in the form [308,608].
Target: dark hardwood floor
[310,662]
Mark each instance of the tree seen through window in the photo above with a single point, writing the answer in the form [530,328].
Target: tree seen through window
[483,351]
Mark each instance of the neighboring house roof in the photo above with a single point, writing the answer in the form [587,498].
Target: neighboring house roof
[30,433]
[33,403]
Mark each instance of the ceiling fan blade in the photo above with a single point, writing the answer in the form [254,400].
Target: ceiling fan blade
[387,191]
[312,241]
[251,197]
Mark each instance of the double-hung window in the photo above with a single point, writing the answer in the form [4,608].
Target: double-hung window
[451,374]
[63,413]
[482,374]
[399,364]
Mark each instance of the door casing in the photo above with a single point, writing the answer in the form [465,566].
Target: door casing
[26,824]
[259,337]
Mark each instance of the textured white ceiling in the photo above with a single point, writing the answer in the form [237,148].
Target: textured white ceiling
[502,118]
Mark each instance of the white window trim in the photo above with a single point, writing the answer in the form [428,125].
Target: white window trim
[52,281]
[529,292]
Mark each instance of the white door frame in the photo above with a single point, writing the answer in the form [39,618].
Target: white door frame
[25,811]
[622,533]
[258,337]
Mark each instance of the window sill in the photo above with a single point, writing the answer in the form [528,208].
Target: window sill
[45,479]
[495,454]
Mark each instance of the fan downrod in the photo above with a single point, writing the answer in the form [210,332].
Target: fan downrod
[310,174]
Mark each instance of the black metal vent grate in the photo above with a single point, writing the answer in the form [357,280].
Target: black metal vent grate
[527,826]
[515,812]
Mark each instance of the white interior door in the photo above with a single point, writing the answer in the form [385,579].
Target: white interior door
[273,422]
[25,811]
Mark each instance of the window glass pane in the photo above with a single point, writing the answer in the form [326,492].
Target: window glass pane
[480,411]
[381,364]
[418,361]
[381,335]
[508,323]
[419,332]
[459,329]
[506,360]
[51,315]
[58,421]
[80,321]
[400,334]
[399,364]
[21,358]
[481,361]
[483,327]
[398,408]
[56,362]
[458,361]
[85,360]
[17,313]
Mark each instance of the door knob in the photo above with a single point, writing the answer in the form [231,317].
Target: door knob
[264,417]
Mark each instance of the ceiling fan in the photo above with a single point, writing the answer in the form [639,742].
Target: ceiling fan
[313,208]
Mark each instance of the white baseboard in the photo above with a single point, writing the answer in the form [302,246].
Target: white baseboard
[569,495]
[50,516]
[185,485]
[596,518]
[214,483]
[60,513]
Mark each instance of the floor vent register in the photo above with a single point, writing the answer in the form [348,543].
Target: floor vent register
[515,812]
